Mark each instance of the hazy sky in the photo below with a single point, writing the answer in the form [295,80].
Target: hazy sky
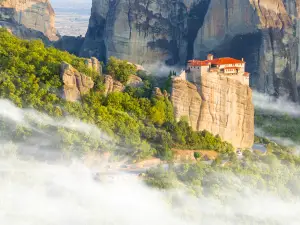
[72,16]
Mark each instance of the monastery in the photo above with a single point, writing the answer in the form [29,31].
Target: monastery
[225,67]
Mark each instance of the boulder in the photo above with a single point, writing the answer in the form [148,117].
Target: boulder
[76,84]
[112,85]
[135,81]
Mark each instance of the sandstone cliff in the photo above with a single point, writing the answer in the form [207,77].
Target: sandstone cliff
[76,84]
[37,15]
[221,106]
[264,32]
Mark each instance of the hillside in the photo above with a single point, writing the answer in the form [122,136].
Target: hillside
[135,119]
[50,141]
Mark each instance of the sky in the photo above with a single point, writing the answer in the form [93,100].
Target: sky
[72,16]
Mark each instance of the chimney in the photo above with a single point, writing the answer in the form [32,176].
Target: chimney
[243,59]
[210,57]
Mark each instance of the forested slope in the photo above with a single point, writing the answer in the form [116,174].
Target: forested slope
[136,119]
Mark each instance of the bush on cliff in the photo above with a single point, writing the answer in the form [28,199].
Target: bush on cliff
[120,69]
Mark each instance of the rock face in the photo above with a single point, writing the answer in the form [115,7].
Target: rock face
[94,64]
[37,15]
[69,44]
[112,85]
[139,31]
[76,84]
[265,33]
[135,81]
[219,105]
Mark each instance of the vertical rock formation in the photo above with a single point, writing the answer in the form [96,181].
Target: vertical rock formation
[261,31]
[140,31]
[220,105]
[94,65]
[264,32]
[76,84]
[37,15]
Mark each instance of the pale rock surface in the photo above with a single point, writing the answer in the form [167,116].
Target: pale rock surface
[37,15]
[135,81]
[112,85]
[76,84]
[219,105]
[94,64]
[158,93]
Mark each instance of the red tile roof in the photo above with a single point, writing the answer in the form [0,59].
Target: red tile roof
[246,74]
[217,61]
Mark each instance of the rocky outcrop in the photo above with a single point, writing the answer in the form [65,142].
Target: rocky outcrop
[139,31]
[219,105]
[94,65]
[158,93]
[76,84]
[135,81]
[37,15]
[112,85]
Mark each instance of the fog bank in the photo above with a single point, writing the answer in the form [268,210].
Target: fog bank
[36,192]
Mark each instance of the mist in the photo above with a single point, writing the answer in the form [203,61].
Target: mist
[281,105]
[36,192]
[160,69]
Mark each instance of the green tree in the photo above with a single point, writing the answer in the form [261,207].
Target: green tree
[120,69]
[197,155]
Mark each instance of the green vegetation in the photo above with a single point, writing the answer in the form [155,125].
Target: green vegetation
[135,119]
[276,172]
[120,70]
[283,126]
[197,155]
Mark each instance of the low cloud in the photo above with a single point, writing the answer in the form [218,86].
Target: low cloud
[279,105]
[161,69]
[36,192]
